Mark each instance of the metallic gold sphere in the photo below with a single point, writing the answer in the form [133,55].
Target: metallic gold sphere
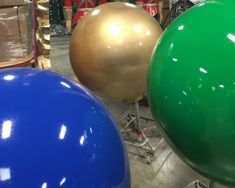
[111,48]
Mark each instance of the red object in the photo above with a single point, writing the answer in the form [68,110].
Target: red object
[151,6]
[82,6]
[68,3]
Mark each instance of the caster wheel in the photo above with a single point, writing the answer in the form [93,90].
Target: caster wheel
[149,158]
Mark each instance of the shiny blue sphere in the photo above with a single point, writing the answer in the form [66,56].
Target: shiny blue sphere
[54,133]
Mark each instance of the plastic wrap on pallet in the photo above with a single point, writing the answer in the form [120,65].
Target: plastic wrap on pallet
[15,33]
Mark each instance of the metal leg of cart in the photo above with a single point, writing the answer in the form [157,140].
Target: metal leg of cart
[211,184]
[131,123]
[198,184]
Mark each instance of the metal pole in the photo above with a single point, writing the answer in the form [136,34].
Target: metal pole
[36,51]
[137,109]
[211,184]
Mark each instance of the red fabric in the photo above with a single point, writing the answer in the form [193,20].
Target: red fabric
[86,4]
[103,1]
[68,3]
[140,1]
[78,16]
[151,9]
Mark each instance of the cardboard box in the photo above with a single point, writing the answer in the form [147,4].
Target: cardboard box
[6,3]
[15,33]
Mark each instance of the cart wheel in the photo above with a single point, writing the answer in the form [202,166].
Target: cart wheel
[149,158]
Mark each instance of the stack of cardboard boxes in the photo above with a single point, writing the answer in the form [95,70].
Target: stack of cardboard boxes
[16,33]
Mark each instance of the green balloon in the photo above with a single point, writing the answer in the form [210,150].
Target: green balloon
[191,88]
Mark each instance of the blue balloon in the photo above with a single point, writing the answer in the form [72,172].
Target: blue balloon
[54,133]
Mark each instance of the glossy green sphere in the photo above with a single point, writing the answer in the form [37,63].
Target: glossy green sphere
[191,88]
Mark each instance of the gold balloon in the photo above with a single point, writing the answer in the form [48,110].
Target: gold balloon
[110,50]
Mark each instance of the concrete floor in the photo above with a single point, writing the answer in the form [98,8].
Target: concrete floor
[167,170]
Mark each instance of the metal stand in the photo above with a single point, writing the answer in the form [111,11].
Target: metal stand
[144,138]
[211,184]
[198,184]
